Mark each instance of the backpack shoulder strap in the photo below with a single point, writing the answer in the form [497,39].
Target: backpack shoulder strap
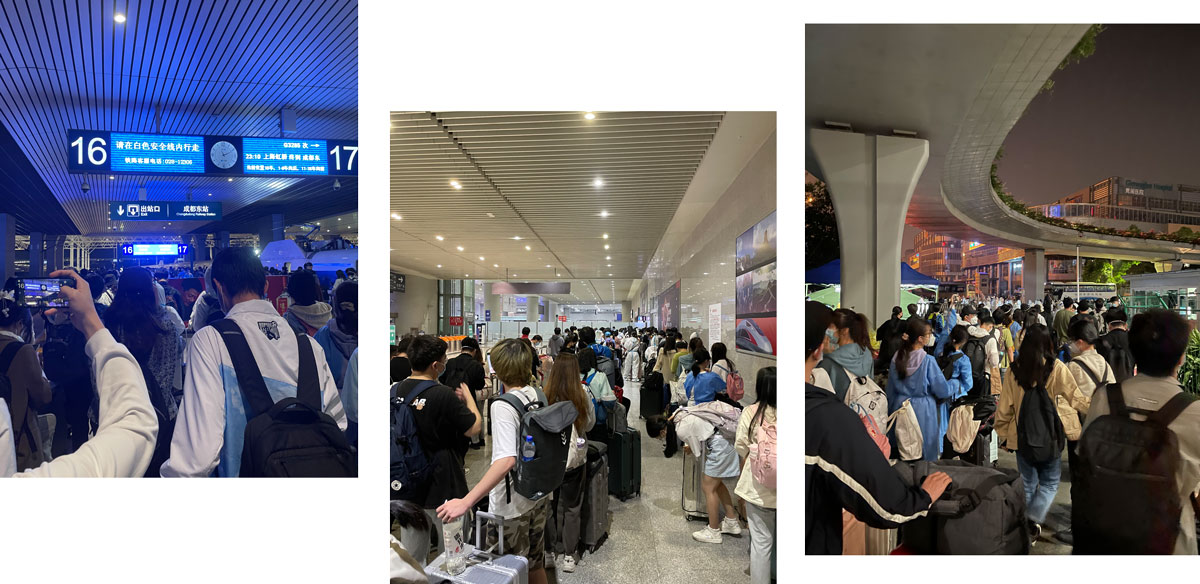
[1116,401]
[308,388]
[420,388]
[249,377]
[8,355]
[1088,370]
[1175,406]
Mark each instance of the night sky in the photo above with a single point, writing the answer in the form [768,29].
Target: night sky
[1132,109]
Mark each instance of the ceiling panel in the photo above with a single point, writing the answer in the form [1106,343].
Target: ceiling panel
[531,175]
[199,67]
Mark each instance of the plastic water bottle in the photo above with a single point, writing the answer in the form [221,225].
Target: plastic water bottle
[527,449]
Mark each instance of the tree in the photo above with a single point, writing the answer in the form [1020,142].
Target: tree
[1099,271]
[1082,50]
[821,243]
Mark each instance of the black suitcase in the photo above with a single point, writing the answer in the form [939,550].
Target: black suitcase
[625,464]
[651,395]
[981,513]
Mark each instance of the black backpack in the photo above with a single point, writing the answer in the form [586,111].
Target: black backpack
[63,356]
[1124,498]
[946,364]
[546,430]
[1118,356]
[166,426]
[411,467]
[1040,435]
[6,391]
[981,378]
[291,438]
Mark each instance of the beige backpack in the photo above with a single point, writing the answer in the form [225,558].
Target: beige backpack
[962,428]
[908,432]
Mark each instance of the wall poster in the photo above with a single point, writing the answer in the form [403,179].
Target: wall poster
[755,285]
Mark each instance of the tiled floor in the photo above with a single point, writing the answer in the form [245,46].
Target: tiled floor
[649,539]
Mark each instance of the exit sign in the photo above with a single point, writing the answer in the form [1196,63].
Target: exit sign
[562,318]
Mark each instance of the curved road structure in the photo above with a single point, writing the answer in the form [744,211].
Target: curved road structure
[878,95]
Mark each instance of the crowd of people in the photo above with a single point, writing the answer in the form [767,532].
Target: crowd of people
[210,364]
[587,368]
[1042,373]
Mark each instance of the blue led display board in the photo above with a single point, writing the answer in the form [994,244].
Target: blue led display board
[154,249]
[103,152]
[163,211]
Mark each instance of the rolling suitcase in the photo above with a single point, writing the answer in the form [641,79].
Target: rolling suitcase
[483,566]
[651,394]
[596,517]
[695,506]
[625,464]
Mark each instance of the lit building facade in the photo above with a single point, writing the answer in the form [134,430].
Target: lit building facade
[937,256]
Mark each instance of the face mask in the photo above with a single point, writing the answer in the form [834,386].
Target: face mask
[1073,349]
[929,342]
[832,336]
[974,321]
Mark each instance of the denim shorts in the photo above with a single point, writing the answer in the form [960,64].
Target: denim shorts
[721,460]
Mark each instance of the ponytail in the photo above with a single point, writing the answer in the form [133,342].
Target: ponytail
[699,356]
[912,332]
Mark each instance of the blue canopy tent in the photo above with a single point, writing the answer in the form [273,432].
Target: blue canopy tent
[830,274]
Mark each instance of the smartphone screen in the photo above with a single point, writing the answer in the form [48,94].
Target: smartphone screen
[44,292]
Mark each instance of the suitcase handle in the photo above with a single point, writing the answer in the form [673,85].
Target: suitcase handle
[479,517]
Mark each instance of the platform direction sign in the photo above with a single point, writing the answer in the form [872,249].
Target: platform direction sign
[163,211]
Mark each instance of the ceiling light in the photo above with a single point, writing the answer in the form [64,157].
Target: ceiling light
[527,248]
[606,246]
[466,275]
[439,265]
[548,266]
[722,263]
[455,184]
[480,257]
[604,213]
[495,265]
[605,236]
[210,194]
[610,274]
[491,215]
[231,179]
[120,19]
[610,265]
[608,257]
[517,237]
[705,273]
[586,116]
[439,238]
[598,183]
[111,177]
[460,248]
[396,217]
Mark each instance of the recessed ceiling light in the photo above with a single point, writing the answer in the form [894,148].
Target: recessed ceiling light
[491,215]
[231,179]
[439,238]
[605,236]
[466,275]
[610,265]
[549,266]
[439,265]
[598,183]
[396,217]
[119,18]
[210,194]
[722,263]
[586,116]
[480,257]
[527,248]
[604,213]
[608,257]
[606,246]
[610,274]
[455,184]
[495,265]
[460,248]
[705,273]
[517,237]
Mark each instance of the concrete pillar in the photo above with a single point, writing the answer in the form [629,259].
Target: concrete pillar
[1033,274]
[8,246]
[222,242]
[36,255]
[492,303]
[871,181]
[531,309]
[1173,266]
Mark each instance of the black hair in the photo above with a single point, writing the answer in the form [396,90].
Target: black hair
[896,311]
[914,329]
[12,311]
[1083,330]
[696,343]
[817,317]
[341,275]
[764,393]
[680,346]
[409,515]
[844,318]
[721,353]
[193,284]
[96,284]
[958,335]
[345,307]
[1035,358]
[986,319]
[587,359]
[537,337]
[1158,339]
[239,271]
[1067,302]
[557,331]
[424,351]
[912,309]
[1115,314]
[587,336]
[133,315]
[403,344]
[304,288]
[471,344]
[699,356]
[525,331]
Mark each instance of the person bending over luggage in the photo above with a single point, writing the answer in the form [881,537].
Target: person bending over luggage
[756,426]
[843,468]
[208,435]
[524,520]
[124,440]
[915,377]
[28,384]
[720,461]
[1037,426]
[853,351]
[1158,339]
[562,385]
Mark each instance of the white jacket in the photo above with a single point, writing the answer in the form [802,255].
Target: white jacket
[1096,363]
[124,441]
[201,431]
[992,347]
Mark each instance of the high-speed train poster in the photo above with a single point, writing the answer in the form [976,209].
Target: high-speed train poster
[755,285]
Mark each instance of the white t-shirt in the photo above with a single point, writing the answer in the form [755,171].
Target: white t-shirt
[506,422]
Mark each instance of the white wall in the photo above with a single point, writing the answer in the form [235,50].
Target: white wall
[416,307]
[749,199]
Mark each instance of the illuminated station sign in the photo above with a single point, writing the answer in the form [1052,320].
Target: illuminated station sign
[163,211]
[103,152]
[154,249]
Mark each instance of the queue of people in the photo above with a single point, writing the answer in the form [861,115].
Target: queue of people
[218,368]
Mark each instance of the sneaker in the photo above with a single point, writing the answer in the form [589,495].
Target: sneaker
[1065,536]
[731,526]
[707,535]
[1035,531]
[567,564]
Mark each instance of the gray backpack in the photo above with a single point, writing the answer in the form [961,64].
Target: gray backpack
[543,443]
[981,513]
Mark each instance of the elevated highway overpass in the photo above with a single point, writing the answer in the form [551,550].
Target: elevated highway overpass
[905,121]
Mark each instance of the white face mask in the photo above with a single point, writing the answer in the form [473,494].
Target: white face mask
[974,321]
[929,340]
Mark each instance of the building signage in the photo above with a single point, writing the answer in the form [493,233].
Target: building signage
[104,152]
[562,318]
[714,324]
[163,211]
[456,321]
[487,316]
[974,245]
[397,282]
[1141,185]
[154,249]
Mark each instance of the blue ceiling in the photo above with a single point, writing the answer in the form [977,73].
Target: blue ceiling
[206,66]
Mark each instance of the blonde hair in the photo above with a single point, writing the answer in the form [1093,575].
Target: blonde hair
[511,361]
